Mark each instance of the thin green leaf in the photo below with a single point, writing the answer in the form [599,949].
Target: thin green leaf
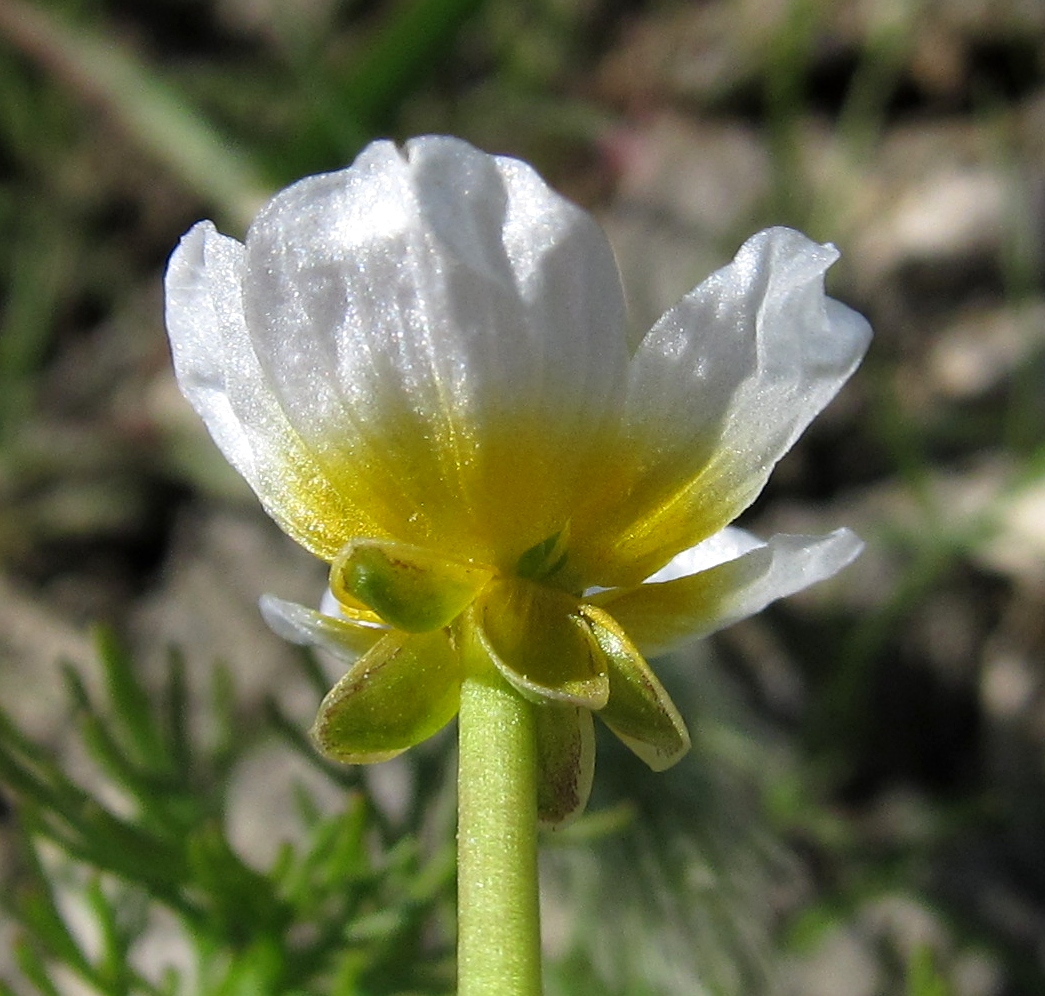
[101,839]
[228,737]
[37,910]
[36,779]
[96,734]
[176,707]
[334,858]
[132,705]
[113,966]
[105,73]
[347,776]
[346,859]
[312,671]
[923,977]
[407,47]
[240,900]
[33,290]
[34,969]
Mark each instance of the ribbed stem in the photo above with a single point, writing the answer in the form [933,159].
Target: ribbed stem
[498,917]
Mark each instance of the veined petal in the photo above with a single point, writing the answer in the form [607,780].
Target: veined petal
[639,711]
[660,616]
[719,389]
[409,587]
[535,638]
[344,638]
[446,333]
[565,762]
[726,544]
[219,373]
[406,688]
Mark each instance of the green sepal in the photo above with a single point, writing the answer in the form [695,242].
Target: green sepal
[534,637]
[403,690]
[639,711]
[409,587]
[546,558]
[565,762]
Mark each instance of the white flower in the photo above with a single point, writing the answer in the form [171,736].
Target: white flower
[420,366]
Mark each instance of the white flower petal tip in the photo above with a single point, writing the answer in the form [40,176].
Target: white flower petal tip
[726,544]
[785,271]
[343,638]
[718,391]
[661,615]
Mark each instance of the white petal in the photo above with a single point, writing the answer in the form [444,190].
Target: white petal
[726,544]
[795,563]
[719,390]
[754,352]
[660,616]
[329,605]
[209,337]
[218,372]
[432,270]
[412,309]
[297,624]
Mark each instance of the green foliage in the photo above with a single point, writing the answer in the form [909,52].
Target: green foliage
[924,979]
[352,908]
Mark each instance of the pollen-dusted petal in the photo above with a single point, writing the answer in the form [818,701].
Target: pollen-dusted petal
[565,762]
[535,638]
[639,711]
[409,587]
[446,333]
[719,389]
[344,638]
[406,688]
[660,616]
[219,373]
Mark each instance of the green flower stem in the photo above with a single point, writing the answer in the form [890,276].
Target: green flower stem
[499,950]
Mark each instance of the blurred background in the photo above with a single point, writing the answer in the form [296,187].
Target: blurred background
[864,810]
